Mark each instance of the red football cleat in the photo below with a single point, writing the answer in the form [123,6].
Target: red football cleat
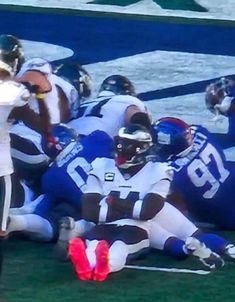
[77,253]
[101,270]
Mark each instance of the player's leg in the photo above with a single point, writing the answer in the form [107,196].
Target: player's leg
[5,200]
[173,221]
[183,228]
[69,229]
[36,224]
[106,249]
[180,249]
[217,244]
[33,226]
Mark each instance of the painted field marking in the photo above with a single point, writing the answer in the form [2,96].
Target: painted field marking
[168,270]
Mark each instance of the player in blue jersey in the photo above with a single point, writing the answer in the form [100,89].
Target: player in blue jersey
[203,182]
[63,183]
[220,100]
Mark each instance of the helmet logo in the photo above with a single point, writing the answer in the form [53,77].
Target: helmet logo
[164,138]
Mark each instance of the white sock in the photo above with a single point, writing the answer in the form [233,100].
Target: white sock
[27,208]
[17,223]
[118,253]
[90,251]
[40,228]
[28,193]
[37,227]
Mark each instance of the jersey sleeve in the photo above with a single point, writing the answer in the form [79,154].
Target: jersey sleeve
[95,180]
[13,94]
[93,185]
[160,184]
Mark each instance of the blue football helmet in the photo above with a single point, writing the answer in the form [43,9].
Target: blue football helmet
[172,136]
[118,84]
[132,146]
[61,137]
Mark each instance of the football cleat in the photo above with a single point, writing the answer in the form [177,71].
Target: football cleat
[67,232]
[198,249]
[78,256]
[101,269]
[229,252]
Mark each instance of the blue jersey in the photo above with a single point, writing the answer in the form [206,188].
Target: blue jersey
[65,180]
[206,181]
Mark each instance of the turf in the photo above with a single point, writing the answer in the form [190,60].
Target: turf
[32,274]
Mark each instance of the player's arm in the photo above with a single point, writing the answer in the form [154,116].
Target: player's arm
[38,122]
[99,208]
[94,205]
[37,83]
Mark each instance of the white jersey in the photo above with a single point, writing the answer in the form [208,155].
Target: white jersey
[52,98]
[107,178]
[12,95]
[106,113]
[71,93]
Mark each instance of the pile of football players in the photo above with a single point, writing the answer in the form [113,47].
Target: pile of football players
[103,181]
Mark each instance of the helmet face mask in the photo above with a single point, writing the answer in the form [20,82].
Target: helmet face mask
[173,137]
[62,136]
[216,92]
[11,54]
[132,146]
[78,76]
[118,84]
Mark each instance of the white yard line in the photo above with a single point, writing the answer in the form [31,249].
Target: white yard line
[168,270]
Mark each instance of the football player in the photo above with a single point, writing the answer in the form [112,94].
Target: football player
[12,52]
[203,180]
[130,209]
[62,185]
[62,102]
[219,98]
[14,99]
[115,106]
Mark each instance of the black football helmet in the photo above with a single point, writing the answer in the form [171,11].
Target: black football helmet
[118,84]
[172,136]
[132,146]
[11,54]
[77,75]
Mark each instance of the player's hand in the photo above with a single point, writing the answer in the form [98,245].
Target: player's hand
[36,82]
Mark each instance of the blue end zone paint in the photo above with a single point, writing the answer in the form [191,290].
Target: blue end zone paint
[102,39]
[179,90]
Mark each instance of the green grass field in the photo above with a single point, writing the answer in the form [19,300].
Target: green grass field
[32,274]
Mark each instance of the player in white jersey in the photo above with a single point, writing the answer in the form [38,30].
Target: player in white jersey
[115,106]
[60,103]
[126,198]
[14,106]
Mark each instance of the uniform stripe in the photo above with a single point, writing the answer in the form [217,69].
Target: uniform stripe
[135,248]
[103,210]
[137,209]
[29,159]
[5,200]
